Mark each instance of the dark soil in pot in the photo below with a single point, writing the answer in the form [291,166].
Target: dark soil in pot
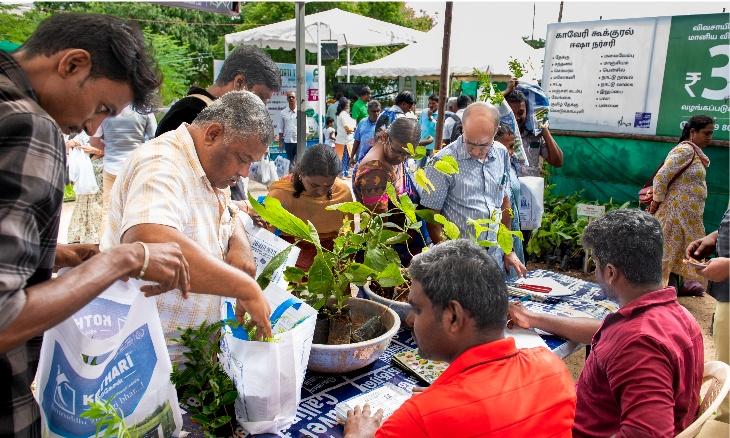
[398,293]
[340,329]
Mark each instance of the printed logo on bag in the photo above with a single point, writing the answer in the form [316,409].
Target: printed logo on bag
[123,381]
[101,318]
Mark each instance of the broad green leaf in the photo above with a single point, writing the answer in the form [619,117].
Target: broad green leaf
[320,277]
[314,235]
[356,239]
[398,238]
[450,228]
[391,255]
[409,149]
[358,273]
[352,207]
[408,207]
[420,152]
[504,239]
[375,259]
[447,165]
[272,212]
[426,215]
[422,181]
[391,276]
[275,263]
[292,274]
[486,243]
[392,195]
[229,397]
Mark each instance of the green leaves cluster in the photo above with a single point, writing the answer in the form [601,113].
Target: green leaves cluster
[202,384]
[516,68]
[561,227]
[108,420]
[488,92]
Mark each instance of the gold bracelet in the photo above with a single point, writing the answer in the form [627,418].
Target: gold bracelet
[146,262]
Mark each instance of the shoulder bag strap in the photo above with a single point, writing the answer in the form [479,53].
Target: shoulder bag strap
[202,97]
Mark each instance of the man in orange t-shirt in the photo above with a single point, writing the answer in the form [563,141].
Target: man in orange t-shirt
[459,301]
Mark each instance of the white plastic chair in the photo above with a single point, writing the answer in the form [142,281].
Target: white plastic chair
[715,386]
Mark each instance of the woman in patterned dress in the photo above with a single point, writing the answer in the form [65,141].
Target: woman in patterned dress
[85,224]
[679,206]
[386,162]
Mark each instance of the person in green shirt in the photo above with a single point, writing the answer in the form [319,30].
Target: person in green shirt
[360,107]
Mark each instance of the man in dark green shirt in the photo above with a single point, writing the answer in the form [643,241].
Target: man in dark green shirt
[360,107]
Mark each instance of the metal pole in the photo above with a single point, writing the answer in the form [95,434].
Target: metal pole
[320,124]
[560,14]
[301,83]
[443,85]
[348,64]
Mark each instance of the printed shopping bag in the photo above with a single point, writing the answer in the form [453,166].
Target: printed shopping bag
[111,350]
[531,205]
[269,375]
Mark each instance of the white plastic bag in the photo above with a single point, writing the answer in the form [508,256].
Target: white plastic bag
[81,173]
[531,205]
[282,166]
[111,350]
[268,171]
[269,375]
[264,171]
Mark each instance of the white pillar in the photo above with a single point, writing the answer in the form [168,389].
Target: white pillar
[301,82]
[348,64]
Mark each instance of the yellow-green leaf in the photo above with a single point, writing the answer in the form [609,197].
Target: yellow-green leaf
[272,212]
[392,195]
[391,276]
[450,228]
[422,181]
[447,165]
[352,207]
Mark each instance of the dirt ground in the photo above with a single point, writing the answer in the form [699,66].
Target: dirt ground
[700,307]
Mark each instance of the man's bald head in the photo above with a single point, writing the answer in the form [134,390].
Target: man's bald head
[481,121]
[482,109]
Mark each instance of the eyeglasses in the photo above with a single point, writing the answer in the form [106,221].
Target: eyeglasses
[290,97]
[478,145]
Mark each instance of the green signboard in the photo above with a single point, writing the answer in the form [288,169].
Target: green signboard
[696,73]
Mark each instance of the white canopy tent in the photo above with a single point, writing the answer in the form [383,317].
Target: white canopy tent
[348,29]
[477,41]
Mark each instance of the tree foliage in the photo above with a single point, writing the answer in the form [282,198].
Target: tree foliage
[186,41]
[174,63]
[17,27]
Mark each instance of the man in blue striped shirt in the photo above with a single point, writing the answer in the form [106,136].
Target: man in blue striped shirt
[481,187]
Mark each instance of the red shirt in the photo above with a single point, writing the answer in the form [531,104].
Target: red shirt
[492,390]
[644,372]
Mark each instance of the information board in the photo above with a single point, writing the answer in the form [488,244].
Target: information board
[638,76]
[289,83]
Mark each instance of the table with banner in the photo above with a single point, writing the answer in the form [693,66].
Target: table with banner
[321,392]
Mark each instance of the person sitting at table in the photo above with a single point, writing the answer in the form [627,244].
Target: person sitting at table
[459,312]
[312,186]
[643,375]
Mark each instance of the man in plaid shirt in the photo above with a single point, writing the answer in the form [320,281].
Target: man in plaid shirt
[73,72]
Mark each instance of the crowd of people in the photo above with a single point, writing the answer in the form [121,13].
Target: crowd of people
[167,216]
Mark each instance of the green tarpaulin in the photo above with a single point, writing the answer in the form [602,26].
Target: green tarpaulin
[606,168]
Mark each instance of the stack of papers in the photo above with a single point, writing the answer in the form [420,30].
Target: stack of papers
[388,398]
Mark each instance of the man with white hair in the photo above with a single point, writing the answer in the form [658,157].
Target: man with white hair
[176,189]
[482,185]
